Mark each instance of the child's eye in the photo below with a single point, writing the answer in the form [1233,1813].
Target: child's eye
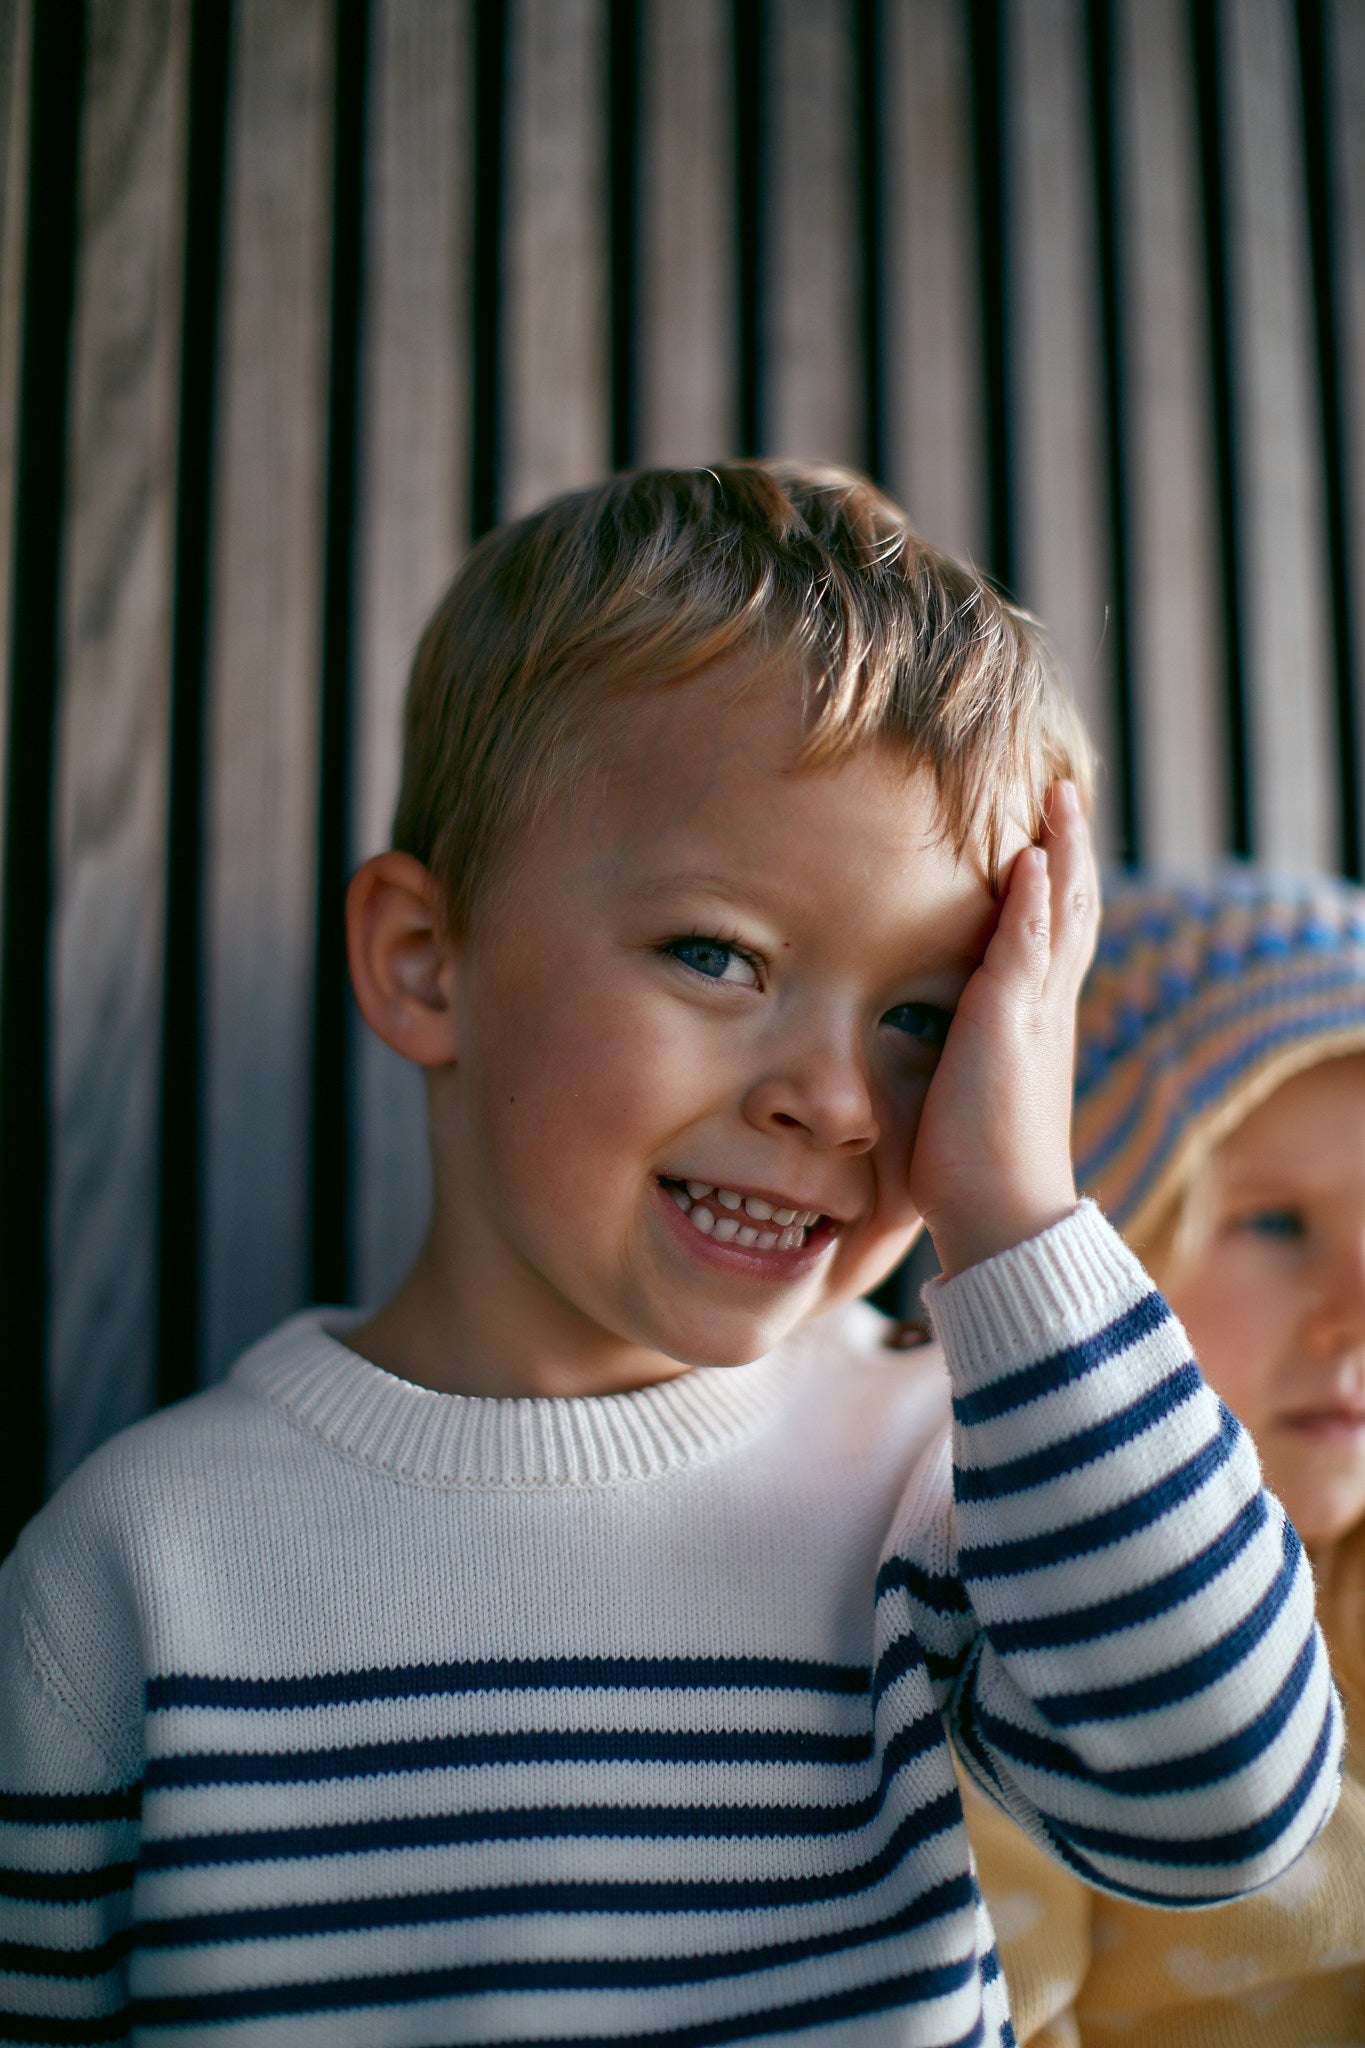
[925,1023]
[1287,1225]
[716,959]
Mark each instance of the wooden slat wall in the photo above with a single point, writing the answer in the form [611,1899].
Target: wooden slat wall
[295,299]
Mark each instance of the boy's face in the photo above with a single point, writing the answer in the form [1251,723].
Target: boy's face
[698,1011]
[1268,1276]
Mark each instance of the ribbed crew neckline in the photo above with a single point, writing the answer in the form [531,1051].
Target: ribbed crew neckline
[433,1439]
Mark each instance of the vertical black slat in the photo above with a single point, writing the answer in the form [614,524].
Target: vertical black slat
[330,1204]
[1328,322]
[490,169]
[182,1113]
[750,40]
[624,165]
[1104,105]
[58,64]
[870,49]
[1209,97]
[989,138]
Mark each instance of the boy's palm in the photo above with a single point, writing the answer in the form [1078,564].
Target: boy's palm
[992,1157]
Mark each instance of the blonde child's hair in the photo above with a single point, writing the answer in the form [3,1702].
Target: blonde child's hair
[557,621]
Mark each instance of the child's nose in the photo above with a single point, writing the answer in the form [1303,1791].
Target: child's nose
[824,1092]
[1340,1311]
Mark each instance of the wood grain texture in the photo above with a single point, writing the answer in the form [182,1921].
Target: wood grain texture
[264,661]
[1175,617]
[1346,73]
[813,315]
[556,255]
[687,258]
[1064,569]
[15,34]
[113,725]
[934,386]
[1284,586]
[413,514]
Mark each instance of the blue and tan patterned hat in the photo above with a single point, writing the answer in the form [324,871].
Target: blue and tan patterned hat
[1203,998]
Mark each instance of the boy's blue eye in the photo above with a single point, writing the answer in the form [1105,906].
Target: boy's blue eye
[1284,1224]
[925,1023]
[714,959]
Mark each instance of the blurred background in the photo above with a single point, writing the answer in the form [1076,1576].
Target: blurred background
[299,296]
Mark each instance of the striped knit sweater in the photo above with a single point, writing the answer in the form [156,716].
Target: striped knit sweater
[337,1711]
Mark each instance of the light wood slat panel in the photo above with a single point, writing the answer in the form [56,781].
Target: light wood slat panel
[555,410]
[1174,605]
[1345,28]
[414,513]
[1064,572]
[114,725]
[934,383]
[264,660]
[1284,592]
[815,409]
[687,257]
[15,44]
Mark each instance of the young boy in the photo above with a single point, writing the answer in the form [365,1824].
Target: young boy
[1220,1118]
[563,1652]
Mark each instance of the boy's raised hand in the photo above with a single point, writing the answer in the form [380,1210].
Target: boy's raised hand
[992,1156]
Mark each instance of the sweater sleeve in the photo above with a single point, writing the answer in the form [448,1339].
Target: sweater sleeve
[68,1842]
[1117,1618]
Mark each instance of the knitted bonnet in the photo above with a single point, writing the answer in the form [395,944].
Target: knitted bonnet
[1203,998]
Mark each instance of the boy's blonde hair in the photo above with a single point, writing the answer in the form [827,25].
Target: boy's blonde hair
[652,577]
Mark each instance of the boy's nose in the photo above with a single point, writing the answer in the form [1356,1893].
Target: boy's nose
[825,1095]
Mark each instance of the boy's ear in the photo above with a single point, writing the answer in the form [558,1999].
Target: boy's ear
[402,965]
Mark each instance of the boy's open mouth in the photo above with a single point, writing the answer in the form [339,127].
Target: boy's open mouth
[748,1220]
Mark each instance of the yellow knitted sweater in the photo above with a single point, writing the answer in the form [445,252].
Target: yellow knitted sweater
[1284,1968]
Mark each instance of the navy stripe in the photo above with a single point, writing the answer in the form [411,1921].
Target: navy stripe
[1172,1774]
[1144,1603]
[904,1655]
[572,1973]
[70,1809]
[548,1823]
[1059,1368]
[1071,1453]
[1097,1532]
[520,1746]
[46,2032]
[66,1887]
[1177,1681]
[943,1593]
[914,1987]
[618,1897]
[507,1674]
[33,1960]
[1229,1849]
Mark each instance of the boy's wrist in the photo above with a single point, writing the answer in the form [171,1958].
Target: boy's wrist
[989,1227]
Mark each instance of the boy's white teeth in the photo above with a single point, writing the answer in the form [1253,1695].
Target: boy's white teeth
[727,1229]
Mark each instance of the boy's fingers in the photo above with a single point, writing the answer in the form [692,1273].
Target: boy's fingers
[1022,942]
[1074,878]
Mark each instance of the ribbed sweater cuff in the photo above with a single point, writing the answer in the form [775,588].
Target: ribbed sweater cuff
[1035,1298]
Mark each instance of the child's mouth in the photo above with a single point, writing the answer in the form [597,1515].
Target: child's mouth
[749,1220]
